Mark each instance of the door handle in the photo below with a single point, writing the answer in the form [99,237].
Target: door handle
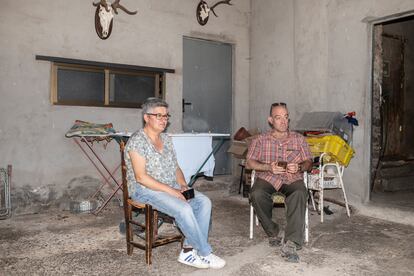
[185,103]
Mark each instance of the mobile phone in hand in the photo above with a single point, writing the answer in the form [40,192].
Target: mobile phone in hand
[188,194]
[282,164]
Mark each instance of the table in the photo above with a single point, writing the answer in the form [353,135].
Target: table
[195,153]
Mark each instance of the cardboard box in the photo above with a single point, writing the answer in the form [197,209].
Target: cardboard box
[254,131]
[239,148]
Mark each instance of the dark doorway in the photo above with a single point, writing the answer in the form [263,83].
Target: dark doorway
[393,107]
[393,83]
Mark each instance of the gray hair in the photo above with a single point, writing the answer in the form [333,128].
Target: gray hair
[276,104]
[151,103]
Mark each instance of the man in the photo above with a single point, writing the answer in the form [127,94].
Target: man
[280,157]
[154,177]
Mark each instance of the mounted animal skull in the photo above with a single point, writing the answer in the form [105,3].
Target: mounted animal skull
[104,16]
[203,10]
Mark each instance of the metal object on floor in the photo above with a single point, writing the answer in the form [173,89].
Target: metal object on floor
[5,200]
[85,206]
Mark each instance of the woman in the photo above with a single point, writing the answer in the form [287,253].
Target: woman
[154,177]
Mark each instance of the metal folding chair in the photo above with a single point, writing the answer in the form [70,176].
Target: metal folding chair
[329,177]
[277,199]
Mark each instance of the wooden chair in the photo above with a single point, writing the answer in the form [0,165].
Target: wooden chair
[277,198]
[152,239]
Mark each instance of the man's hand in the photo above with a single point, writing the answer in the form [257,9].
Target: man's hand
[276,169]
[292,167]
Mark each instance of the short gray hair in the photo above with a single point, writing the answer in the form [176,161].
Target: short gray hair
[151,103]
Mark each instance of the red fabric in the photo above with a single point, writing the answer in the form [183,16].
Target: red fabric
[267,149]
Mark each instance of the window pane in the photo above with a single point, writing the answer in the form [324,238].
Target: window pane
[80,86]
[130,89]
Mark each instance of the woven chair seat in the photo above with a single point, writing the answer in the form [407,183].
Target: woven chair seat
[136,204]
[278,198]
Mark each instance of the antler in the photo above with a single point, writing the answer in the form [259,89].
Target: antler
[218,3]
[116,5]
[102,3]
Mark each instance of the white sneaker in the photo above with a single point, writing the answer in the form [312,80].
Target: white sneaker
[213,261]
[192,259]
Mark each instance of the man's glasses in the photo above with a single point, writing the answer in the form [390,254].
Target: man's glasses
[278,104]
[160,116]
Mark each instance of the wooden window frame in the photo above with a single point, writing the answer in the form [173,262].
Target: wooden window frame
[158,76]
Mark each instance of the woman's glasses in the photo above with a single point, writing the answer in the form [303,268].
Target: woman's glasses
[160,116]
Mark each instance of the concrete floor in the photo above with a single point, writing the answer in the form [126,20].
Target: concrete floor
[391,206]
[61,243]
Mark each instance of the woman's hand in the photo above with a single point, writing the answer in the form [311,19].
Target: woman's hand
[184,188]
[177,193]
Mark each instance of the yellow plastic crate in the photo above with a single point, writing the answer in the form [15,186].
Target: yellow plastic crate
[336,148]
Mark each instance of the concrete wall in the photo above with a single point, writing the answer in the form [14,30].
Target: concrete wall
[315,55]
[32,130]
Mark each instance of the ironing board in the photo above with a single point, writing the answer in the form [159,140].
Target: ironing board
[195,153]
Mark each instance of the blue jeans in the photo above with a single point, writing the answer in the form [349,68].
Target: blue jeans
[192,217]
